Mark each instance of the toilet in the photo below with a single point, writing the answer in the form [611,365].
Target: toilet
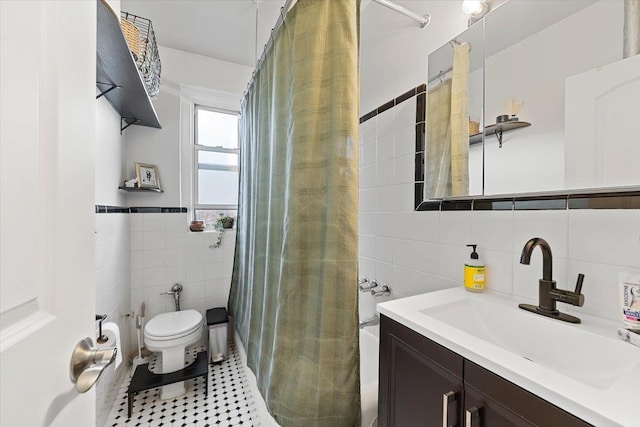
[170,334]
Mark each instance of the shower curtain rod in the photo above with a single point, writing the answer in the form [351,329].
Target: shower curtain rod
[283,11]
[422,19]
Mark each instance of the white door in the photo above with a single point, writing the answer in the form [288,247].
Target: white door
[602,145]
[47,129]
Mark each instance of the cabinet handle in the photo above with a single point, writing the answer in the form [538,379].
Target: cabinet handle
[447,399]
[472,417]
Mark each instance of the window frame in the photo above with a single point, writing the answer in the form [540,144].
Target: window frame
[197,148]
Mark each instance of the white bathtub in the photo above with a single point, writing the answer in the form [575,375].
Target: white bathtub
[368,381]
[369,343]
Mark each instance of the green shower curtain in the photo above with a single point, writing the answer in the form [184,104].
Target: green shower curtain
[294,288]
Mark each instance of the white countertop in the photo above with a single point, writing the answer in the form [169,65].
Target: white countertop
[616,402]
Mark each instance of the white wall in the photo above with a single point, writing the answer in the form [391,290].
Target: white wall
[417,252]
[164,252]
[394,50]
[162,146]
[111,244]
[109,171]
[112,298]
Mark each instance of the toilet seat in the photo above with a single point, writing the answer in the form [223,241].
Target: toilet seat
[174,325]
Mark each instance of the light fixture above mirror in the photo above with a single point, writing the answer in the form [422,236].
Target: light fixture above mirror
[476,9]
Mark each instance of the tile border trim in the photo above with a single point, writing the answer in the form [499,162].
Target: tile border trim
[395,101]
[110,209]
[102,209]
[629,199]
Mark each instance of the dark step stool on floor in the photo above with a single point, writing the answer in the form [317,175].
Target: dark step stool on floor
[143,379]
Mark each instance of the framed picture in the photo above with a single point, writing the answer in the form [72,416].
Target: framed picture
[147,176]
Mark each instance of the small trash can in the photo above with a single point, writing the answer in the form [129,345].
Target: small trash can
[217,323]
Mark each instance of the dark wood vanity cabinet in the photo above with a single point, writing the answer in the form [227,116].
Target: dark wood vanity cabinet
[417,377]
[502,403]
[423,383]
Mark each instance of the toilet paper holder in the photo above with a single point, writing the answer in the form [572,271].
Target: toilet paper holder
[101,337]
[88,363]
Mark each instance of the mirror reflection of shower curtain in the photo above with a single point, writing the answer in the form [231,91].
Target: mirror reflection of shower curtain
[447,150]
[438,149]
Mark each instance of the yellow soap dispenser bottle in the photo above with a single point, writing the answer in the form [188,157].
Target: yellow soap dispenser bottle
[474,272]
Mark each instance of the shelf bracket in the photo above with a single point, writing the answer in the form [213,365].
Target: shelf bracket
[128,122]
[499,136]
[103,93]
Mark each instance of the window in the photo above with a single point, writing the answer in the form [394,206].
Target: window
[216,157]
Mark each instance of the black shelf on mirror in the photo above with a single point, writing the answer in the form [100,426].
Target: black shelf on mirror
[140,190]
[117,76]
[497,129]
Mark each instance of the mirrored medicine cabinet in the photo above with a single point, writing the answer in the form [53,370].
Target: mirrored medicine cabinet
[534,97]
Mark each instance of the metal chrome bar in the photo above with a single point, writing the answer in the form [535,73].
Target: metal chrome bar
[382,292]
[441,75]
[472,417]
[283,11]
[374,319]
[448,398]
[422,19]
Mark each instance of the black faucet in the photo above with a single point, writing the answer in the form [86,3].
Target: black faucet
[548,294]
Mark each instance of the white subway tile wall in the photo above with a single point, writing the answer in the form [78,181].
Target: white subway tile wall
[164,252]
[605,237]
[112,240]
[418,252]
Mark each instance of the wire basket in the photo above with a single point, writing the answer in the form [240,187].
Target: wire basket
[145,51]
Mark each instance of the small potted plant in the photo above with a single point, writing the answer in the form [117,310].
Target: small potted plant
[224,222]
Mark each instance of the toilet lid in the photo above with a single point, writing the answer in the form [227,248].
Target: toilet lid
[174,323]
[196,330]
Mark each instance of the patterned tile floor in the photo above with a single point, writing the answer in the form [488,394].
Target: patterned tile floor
[226,405]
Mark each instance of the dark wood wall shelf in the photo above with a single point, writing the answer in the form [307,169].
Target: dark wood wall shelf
[117,76]
[497,129]
[140,190]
